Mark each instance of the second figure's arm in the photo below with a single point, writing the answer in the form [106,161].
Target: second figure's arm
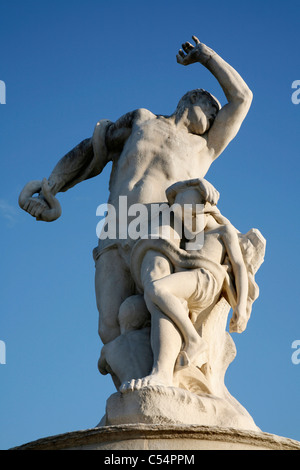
[239,318]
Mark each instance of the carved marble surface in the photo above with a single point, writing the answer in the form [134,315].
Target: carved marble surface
[163,306]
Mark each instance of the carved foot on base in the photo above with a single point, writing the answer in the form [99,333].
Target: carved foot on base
[158,404]
[152,380]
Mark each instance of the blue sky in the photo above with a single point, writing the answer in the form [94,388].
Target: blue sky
[67,64]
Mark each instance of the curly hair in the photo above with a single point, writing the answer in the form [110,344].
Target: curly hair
[198,93]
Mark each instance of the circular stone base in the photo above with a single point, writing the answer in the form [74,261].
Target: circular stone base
[155,437]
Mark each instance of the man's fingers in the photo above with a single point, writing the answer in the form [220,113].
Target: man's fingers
[216,197]
[29,205]
[39,210]
[180,59]
[26,205]
[181,53]
[34,212]
[213,194]
[196,39]
[187,47]
[34,207]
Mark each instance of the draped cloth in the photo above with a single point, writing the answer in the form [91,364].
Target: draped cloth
[253,250]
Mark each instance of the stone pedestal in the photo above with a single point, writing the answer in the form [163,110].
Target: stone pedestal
[133,437]
[170,405]
[167,419]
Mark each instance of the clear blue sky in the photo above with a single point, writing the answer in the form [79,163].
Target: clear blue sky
[67,64]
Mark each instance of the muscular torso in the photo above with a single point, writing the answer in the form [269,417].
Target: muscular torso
[156,155]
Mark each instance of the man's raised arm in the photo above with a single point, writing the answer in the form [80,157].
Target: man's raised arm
[229,119]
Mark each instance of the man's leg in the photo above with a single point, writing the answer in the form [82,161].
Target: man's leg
[113,284]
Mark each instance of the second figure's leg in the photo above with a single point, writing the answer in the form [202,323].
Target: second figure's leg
[170,296]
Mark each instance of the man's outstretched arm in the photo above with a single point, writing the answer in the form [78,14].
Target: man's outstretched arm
[229,119]
[84,161]
[71,167]
[90,157]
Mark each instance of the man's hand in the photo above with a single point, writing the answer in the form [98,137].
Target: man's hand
[191,54]
[208,192]
[45,206]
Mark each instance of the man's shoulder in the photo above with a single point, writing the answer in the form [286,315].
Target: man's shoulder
[144,114]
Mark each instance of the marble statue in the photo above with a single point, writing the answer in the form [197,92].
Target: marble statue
[162,307]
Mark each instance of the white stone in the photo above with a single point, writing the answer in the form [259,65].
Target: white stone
[167,437]
[163,306]
[171,405]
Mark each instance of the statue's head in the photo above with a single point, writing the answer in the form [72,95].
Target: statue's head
[192,195]
[199,108]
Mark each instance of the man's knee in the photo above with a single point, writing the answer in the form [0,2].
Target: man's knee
[133,314]
[108,331]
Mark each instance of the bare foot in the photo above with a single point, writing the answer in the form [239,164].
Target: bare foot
[152,380]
